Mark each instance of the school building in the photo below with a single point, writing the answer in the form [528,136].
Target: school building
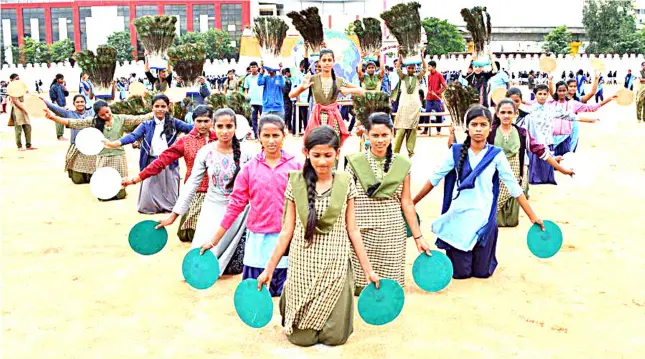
[88,23]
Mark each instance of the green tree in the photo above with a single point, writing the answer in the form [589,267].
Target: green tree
[349,30]
[558,41]
[611,27]
[121,41]
[62,50]
[218,43]
[442,36]
[34,52]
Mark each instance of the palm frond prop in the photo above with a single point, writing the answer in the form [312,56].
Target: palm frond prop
[369,35]
[188,61]
[99,67]
[156,34]
[239,104]
[216,101]
[270,32]
[404,23]
[180,109]
[310,27]
[458,99]
[134,105]
[478,24]
[365,105]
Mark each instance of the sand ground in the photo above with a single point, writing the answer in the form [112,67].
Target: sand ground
[72,287]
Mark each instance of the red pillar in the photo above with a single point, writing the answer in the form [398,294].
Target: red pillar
[246,14]
[189,17]
[218,16]
[76,19]
[133,30]
[20,27]
[48,25]
[329,21]
[160,10]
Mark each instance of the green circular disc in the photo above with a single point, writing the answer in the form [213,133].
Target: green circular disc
[201,272]
[544,244]
[253,306]
[432,274]
[383,305]
[145,239]
[407,227]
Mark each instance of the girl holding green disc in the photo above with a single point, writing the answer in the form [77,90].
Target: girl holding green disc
[467,229]
[382,180]
[319,226]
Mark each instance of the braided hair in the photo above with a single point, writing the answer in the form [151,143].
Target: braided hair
[474,111]
[169,124]
[380,118]
[237,151]
[319,136]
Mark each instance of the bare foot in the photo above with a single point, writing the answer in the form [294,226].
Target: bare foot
[31,148]
[20,149]
[61,138]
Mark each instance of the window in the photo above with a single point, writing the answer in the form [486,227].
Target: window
[199,10]
[231,18]
[125,12]
[27,15]
[84,12]
[144,10]
[9,14]
[179,10]
[62,12]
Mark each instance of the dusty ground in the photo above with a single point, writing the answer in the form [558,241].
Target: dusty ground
[72,287]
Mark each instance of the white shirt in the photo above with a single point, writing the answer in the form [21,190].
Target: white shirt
[159,143]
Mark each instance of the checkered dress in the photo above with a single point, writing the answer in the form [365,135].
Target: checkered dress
[317,273]
[78,162]
[504,194]
[193,212]
[119,163]
[382,229]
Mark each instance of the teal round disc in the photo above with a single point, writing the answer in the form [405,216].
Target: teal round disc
[253,306]
[383,305]
[145,239]
[407,227]
[201,272]
[432,274]
[544,244]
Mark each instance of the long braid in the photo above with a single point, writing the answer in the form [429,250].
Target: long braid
[462,157]
[237,153]
[334,86]
[388,158]
[312,219]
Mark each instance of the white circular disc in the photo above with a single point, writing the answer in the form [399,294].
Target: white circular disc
[242,127]
[105,183]
[90,141]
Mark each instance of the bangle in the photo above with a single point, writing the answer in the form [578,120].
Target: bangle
[419,237]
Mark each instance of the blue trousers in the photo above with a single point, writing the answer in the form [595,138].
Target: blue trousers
[434,106]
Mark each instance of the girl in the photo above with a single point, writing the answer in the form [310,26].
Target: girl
[79,167]
[580,83]
[371,81]
[325,87]
[409,108]
[186,147]
[319,224]
[515,95]
[230,84]
[564,136]
[112,127]
[158,194]
[221,161]
[261,184]
[382,181]
[512,140]
[467,229]
[86,89]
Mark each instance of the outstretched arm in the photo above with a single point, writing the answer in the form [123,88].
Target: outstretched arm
[588,96]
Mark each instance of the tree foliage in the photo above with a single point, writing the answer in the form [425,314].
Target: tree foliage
[121,41]
[442,36]
[611,27]
[558,41]
[217,42]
